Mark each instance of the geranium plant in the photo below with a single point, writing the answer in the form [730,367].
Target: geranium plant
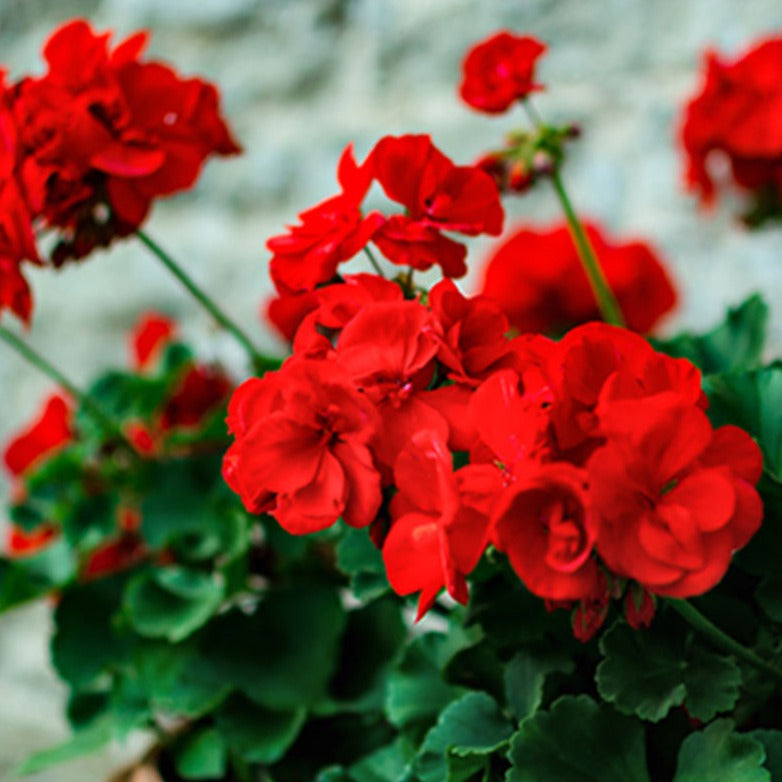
[507,536]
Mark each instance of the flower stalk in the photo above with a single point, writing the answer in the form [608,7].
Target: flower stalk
[604,296]
[33,357]
[261,363]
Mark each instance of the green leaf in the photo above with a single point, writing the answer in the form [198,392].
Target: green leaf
[283,655]
[717,754]
[736,343]
[258,734]
[85,642]
[202,755]
[123,395]
[172,602]
[752,400]
[387,764]
[90,519]
[170,675]
[525,676]
[84,742]
[378,631]
[577,740]
[360,559]
[470,726]
[416,691]
[29,577]
[769,597]
[187,507]
[648,672]
[772,744]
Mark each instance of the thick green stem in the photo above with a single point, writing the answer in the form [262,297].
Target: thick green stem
[719,638]
[48,369]
[260,362]
[606,301]
[374,262]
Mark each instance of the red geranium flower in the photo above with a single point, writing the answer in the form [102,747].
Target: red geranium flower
[330,233]
[101,134]
[674,497]
[736,113]
[499,71]
[302,448]
[437,196]
[439,530]
[388,351]
[544,524]
[537,279]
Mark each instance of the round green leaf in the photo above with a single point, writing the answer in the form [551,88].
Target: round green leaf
[259,735]
[172,602]
[577,740]
[202,755]
[717,754]
[647,672]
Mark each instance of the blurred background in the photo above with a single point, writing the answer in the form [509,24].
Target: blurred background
[300,79]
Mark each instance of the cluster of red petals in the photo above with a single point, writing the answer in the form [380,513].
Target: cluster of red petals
[436,196]
[87,147]
[736,113]
[302,448]
[538,281]
[589,461]
[499,71]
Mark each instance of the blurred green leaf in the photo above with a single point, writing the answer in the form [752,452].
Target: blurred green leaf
[377,630]
[736,343]
[171,602]
[772,744]
[83,742]
[29,577]
[719,754]
[281,656]
[358,558]
[85,641]
[752,400]
[258,734]
[202,755]
[391,763]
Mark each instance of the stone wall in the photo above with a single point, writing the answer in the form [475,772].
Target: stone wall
[301,78]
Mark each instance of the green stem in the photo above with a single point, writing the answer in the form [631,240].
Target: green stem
[719,638]
[48,369]
[606,301]
[260,362]
[374,262]
[604,296]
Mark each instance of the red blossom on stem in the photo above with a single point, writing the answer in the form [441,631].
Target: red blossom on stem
[499,71]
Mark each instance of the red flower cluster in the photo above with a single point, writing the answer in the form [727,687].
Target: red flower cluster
[500,71]
[736,113]
[538,281]
[436,196]
[591,463]
[86,147]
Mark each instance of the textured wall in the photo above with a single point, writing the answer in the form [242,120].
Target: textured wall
[300,78]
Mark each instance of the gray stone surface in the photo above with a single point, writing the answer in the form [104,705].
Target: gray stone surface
[300,78]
